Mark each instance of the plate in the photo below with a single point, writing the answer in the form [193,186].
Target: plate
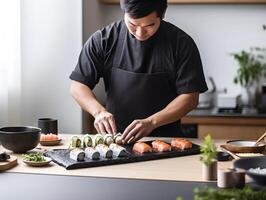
[50,143]
[38,164]
[9,163]
[244,146]
[247,163]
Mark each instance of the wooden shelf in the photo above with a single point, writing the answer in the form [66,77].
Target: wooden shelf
[199,1]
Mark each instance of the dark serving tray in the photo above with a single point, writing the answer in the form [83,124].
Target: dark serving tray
[61,157]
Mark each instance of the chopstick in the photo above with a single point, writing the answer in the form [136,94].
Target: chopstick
[223,148]
[261,137]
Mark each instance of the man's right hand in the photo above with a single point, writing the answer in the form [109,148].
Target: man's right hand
[104,122]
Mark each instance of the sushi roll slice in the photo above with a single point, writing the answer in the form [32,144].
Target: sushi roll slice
[87,141]
[104,151]
[118,138]
[75,142]
[91,153]
[108,139]
[97,139]
[77,154]
[118,150]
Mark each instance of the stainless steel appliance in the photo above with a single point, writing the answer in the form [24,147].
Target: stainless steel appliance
[206,99]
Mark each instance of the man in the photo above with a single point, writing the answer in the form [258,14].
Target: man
[151,69]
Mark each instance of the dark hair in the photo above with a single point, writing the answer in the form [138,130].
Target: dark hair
[141,8]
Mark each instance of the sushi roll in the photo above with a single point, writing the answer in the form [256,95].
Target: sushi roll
[87,141]
[91,153]
[108,139]
[118,138]
[75,142]
[104,151]
[97,139]
[77,154]
[118,150]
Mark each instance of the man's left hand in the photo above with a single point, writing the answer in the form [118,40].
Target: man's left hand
[137,129]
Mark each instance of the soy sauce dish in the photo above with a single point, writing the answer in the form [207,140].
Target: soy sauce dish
[36,159]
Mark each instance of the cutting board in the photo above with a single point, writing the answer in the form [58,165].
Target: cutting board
[11,162]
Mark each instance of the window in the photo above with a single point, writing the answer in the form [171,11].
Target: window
[9,61]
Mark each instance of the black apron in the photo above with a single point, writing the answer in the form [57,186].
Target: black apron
[138,95]
[132,95]
[141,78]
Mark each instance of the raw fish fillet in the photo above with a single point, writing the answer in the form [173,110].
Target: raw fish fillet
[142,147]
[180,143]
[160,146]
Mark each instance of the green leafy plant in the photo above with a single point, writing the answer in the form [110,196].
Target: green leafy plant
[208,151]
[252,66]
[229,194]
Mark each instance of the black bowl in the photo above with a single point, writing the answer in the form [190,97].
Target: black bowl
[19,139]
[255,162]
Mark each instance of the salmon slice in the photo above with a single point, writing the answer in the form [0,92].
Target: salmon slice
[48,137]
[160,146]
[142,147]
[180,143]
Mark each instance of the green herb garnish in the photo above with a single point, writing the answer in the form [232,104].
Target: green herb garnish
[208,151]
[36,157]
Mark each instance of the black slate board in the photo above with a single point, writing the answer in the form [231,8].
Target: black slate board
[61,157]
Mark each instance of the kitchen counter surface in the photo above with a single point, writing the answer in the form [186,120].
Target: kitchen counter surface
[186,168]
[213,112]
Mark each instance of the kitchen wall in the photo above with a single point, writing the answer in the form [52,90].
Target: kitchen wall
[218,30]
[51,38]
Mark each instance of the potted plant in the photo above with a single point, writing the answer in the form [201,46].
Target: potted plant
[208,157]
[252,67]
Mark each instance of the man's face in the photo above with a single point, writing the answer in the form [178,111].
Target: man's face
[143,28]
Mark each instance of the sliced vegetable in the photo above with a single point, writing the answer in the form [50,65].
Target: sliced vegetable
[36,157]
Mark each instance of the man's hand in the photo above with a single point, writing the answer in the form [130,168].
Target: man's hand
[137,129]
[104,122]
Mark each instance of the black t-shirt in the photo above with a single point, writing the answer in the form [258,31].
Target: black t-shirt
[169,50]
[125,64]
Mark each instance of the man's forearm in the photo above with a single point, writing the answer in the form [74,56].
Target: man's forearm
[85,98]
[175,110]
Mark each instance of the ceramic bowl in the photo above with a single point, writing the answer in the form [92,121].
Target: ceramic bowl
[19,139]
[248,163]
